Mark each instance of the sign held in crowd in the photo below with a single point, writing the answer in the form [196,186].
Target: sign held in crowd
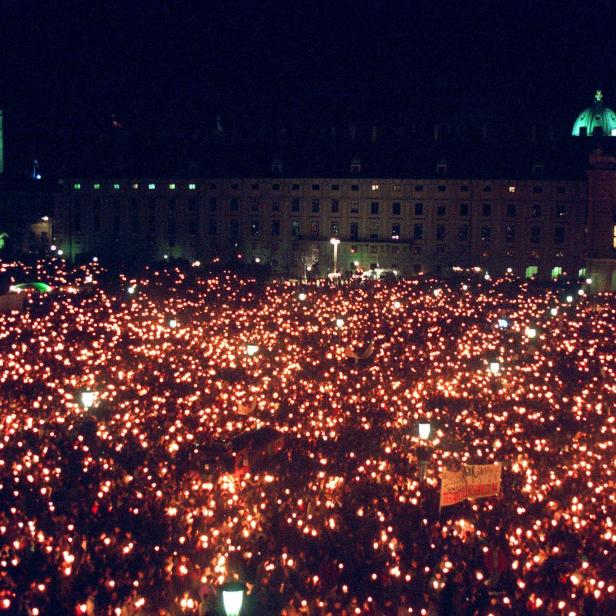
[471,481]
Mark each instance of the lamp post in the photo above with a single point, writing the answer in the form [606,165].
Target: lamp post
[334,242]
[251,349]
[424,430]
[87,398]
[232,598]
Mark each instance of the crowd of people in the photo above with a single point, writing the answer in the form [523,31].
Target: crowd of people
[121,493]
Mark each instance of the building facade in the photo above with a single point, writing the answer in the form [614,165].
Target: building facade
[411,225]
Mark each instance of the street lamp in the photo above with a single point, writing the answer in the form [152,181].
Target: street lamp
[173,323]
[251,349]
[334,242]
[339,322]
[87,398]
[424,430]
[530,332]
[494,367]
[503,323]
[232,598]
[302,297]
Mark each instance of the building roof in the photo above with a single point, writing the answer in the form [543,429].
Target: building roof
[596,119]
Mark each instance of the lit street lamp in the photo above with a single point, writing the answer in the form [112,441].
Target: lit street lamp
[251,349]
[87,398]
[334,242]
[232,598]
[494,367]
[424,430]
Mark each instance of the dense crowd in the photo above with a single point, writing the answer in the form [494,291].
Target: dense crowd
[135,505]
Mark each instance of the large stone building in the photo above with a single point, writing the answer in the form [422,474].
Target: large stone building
[427,207]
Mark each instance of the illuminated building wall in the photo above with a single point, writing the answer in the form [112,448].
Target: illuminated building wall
[602,222]
[410,225]
[1,143]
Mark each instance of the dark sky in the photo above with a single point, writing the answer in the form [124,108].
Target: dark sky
[184,62]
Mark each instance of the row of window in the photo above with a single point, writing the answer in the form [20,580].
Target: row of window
[463,231]
[314,187]
[419,208]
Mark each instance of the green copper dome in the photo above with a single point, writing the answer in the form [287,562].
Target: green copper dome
[596,118]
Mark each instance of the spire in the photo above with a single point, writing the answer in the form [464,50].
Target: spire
[598,96]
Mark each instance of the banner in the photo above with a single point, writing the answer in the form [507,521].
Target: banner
[471,481]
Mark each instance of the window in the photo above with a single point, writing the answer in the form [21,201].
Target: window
[559,235]
[485,233]
[512,189]
[486,210]
[534,253]
[275,186]
[395,231]
[487,188]
[135,186]
[193,225]
[254,205]
[211,226]
[442,188]
[535,210]
[375,187]
[395,208]
[464,188]
[537,189]
[254,228]
[295,228]
[116,187]
[509,234]
[354,187]
[561,210]
[354,230]
[235,186]
[275,206]
[294,186]
[150,186]
[315,206]
[440,233]
[335,186]
[295,205]
[418,187]
[535,235]
[253,186]
[234,227]
[192,187]
[396,188]
[419,209]
[212,204]
[314,227]
[463,233]
[235,204]
[98,186]
[76,186]
[374,231]
[354,207]
[417,231]
[463,209]
[374,208]
[560,190]
[511,210]
[212,186]
[335,206]
[193,206]
[335,228]
[441,210]
[316,187]
[275,227]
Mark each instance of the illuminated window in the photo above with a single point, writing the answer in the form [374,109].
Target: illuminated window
[135,186]
[97,186]
[151,186]
[192,187]
[397,188]
[116,187]
[512,189]
[375,187]
[77,186]
[171,186]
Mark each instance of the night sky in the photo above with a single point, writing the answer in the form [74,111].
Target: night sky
[182,63]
